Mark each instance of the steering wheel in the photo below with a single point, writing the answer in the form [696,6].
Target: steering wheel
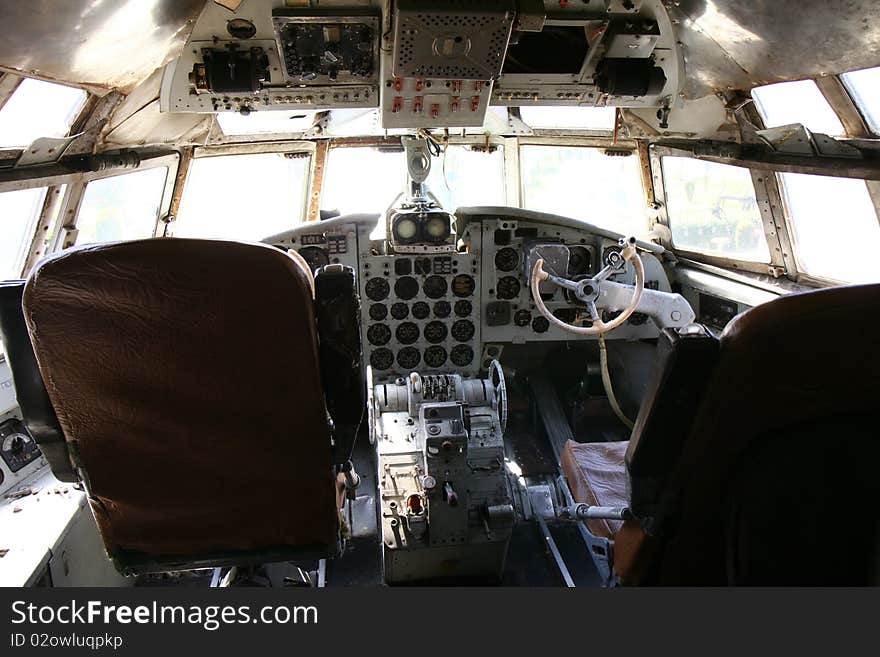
[589,290]
[496,377]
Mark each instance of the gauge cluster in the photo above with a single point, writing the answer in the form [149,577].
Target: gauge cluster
[420,312]
[509,315]
[437,312]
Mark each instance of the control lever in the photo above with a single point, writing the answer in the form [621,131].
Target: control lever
[450,495]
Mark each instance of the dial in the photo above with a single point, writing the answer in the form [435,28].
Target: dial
[15,443]
[378,312]
[405,229]
[434,287]
[506,259]
[378,334]
[463,330]
[420,310]
[382,359]
[406,288]
[462,355]
[377,289]
[408,357]
[407,333]
[435,332]
[507,288]
[522,318]
[463,308]
[315,256]
[399,310]
[435,356]
[442,309]
[463,285]
[437,227]
[540,324]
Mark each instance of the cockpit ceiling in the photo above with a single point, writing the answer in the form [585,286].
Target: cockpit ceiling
[728,44]
[114,44]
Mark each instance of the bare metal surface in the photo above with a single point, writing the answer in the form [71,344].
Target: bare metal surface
[107,44]
[732,44]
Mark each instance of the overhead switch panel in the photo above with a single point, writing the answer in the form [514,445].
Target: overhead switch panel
[451,39]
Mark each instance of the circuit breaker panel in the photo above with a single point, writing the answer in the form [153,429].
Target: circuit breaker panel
[443,62]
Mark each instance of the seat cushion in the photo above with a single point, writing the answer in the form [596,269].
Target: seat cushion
[596,474]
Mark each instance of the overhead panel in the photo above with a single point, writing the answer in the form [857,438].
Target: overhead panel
[309,59]
[445,57]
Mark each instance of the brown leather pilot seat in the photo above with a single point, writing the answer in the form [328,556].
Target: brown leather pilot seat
[185,376]
[741,465]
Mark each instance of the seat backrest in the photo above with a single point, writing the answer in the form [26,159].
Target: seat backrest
[185,376]
[30,391]
[686,358]
[786,429]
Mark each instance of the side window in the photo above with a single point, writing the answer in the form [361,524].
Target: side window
[19,211]
[797,102]
[585,183]
[864,87]
[712,209]
[243,197]
[38,109]
[124,207]
[834,227]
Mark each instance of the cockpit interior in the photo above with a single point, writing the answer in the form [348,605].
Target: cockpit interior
[449,292]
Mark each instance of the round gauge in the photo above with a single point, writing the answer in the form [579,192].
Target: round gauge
[405,229]
[378,334]
[437,227]
[435,356]
[462,355]
[407,333]
[382,359]
[507,288]
[463,330]
[506,259]
[315,256]
[540,324]
[408,357]
[15,442]
[406,287]
[434,287]
[240,28]
[435,332]
[611,255]
[399,310]
[421,310]
[378,312]
[463,285]
[522,318]
[442,309]
[463,308]
[377,289]
[578,261]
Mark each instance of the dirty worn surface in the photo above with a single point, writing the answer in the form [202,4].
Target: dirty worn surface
[105,44]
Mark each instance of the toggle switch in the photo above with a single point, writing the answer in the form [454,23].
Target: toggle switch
[450,495]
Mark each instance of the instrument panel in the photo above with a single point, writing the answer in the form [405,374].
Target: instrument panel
[420,311]
[436,312]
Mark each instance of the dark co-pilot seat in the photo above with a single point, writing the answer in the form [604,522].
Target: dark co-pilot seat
[754,459]
[186,379]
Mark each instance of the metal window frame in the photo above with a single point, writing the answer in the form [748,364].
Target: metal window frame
[297,147]
[775,228]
